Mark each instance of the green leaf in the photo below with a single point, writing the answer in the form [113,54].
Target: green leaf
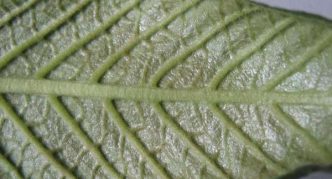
[162,89]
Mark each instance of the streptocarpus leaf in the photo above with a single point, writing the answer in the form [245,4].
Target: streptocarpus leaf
[162,89]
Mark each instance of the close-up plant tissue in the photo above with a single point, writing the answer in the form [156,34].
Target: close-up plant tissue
[165,89]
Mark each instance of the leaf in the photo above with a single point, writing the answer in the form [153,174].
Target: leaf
[162,89]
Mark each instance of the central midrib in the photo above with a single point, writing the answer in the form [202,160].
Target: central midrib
[79,89]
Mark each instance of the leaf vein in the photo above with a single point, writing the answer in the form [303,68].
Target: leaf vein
[12,54]
[249,50]
[321,151]
[153,94]
[322,43]
[253,147]
[197,44]
[84,40]
[111,60]
[10,166]
[88,143]
[18,122]
[124,50]
[125,130]
[17,11]
[195,148]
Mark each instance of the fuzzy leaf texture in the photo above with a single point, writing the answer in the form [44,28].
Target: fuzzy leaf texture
[162,89]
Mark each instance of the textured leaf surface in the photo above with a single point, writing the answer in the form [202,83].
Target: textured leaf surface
[162,89]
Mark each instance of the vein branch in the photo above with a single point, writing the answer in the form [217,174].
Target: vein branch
[141,148]
[253,147]
[76,128]
[111,60]
[17,11]
[249,50]
[197,44]
[13,53]
[84,40]
[320,151]
[19,123]
[266,37]
[301,60]
[194,148]
[8,165]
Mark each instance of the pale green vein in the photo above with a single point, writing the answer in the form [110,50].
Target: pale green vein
[153,94]
[248,143]
[126,131]
[76,129]
[176,60]
[86,39]
[194,148]
[320,151]
[322,43]
[61,109]
[111,60]
[13,53]
[220,75]
[8,165]
[17,11]
[249,50]
[19,123]
[132,43]
[197,44]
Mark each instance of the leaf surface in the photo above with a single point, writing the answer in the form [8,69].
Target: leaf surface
[162,89]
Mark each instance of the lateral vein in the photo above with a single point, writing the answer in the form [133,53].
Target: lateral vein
[17,11]
[62,110]
[12,54]
[251,145]
[76,129]
[10,166]
[322,43]
[197,44]
[194,148]
[19,123]
[111,60]
[249,50]
[320,150]
[84,40]
[125,130]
